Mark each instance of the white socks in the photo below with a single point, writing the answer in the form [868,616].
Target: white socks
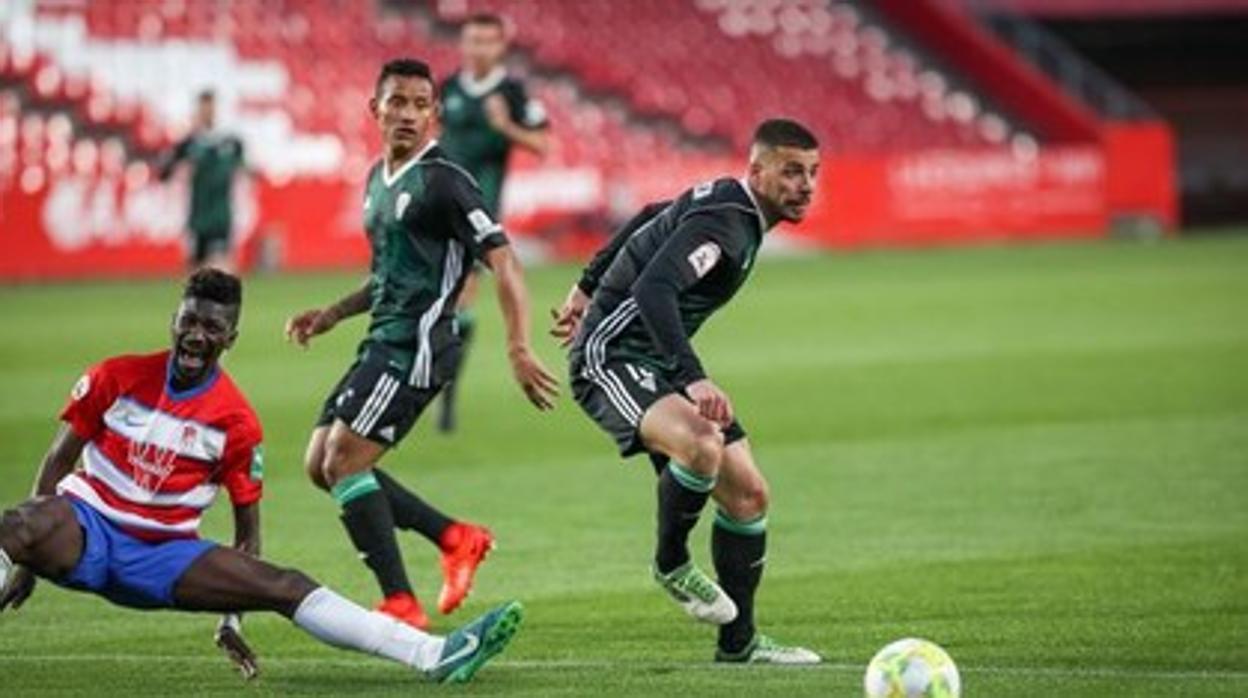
[6,565]
[337,621]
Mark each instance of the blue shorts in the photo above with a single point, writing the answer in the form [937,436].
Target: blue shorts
[127,570]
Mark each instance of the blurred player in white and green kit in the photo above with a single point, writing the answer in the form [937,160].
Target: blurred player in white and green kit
[486,112]
[215,159]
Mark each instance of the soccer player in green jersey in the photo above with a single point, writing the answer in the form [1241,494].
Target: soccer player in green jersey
[629,321]
[485,113]
[427,224]
[215,158]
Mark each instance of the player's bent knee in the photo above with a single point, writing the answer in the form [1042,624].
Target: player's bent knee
[314,466]
[17,536]
[752,501]
[341,459]
[705,451]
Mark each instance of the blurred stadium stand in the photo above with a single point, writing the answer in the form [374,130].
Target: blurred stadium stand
[937,130]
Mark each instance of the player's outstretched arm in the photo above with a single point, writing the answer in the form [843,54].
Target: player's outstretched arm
[534,139]
[539,385]
[302,327]
[568,317]
[229,634]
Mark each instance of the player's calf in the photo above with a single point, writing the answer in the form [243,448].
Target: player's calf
[314,458]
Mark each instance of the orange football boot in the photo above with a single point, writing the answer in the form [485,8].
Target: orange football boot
[464,547]
[406,608]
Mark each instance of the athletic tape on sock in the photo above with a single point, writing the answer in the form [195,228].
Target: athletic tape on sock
[354,487]
[691,480]
[753,527]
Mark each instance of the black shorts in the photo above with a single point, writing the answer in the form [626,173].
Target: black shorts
[617,393]
[206,244]
[375,398]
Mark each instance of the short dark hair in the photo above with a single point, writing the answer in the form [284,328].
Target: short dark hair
[214,285]
[485,19]
[403,67]
[785,133]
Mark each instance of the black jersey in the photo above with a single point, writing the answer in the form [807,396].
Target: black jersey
[426,224]
[467,135]
[665,273]
[215,159]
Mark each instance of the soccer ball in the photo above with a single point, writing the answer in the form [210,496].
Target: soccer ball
[912,668]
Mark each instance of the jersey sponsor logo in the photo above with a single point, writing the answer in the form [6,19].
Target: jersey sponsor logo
[401,204]
[81,388]
[483,224]
[156,437]
[704,258]
[703,190]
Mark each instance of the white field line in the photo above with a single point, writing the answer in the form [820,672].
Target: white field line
[1055,672]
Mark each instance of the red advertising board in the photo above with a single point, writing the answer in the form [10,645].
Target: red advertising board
[94,227]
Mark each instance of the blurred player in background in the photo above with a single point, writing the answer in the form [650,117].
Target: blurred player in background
[215,159]
[634,372]
[427,224]
[485,113]
[158,435]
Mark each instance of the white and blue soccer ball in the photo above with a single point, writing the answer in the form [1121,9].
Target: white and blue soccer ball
[912,668]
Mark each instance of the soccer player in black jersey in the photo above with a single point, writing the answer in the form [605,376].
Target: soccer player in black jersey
[486,114]
[629,321]
[427,224]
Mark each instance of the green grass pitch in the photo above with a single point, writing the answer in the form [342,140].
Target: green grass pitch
[1036,457]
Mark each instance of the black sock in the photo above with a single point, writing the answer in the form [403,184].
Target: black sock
[739,550]
[682,495]
[410,511]
[370,524]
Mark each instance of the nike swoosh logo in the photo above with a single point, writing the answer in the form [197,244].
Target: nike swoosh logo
[470,645]
[759,562]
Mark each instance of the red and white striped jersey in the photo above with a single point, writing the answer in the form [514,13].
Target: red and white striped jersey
[155,457]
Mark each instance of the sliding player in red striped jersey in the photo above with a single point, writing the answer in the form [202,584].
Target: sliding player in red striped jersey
[158,435]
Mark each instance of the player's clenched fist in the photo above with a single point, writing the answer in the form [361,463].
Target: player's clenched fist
[308,324]
[712,402]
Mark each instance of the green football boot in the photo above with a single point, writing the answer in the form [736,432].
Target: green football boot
[469,647]
[698,594]
[764,650]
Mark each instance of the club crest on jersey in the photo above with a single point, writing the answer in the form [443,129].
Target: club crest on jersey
[704,258]
[401,204]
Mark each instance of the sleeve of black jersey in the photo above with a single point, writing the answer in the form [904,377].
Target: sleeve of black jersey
[526,111]
[592,274]
[457,199]
[164,169]
[696,247]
